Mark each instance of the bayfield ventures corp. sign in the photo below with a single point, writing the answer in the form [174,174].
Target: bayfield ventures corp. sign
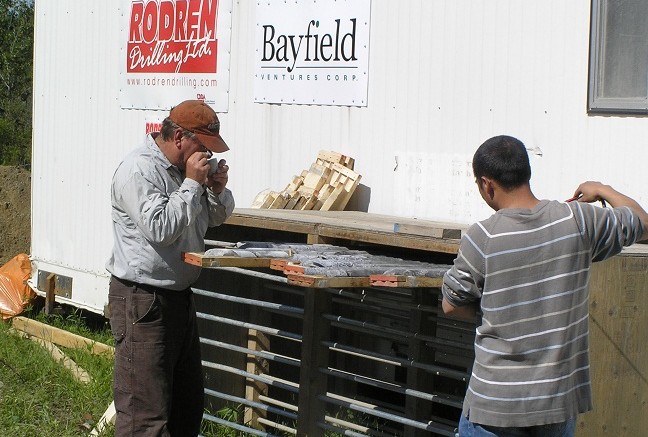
[312,52]
[173,50]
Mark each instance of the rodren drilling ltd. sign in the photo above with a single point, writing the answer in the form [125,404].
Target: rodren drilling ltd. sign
[173,50]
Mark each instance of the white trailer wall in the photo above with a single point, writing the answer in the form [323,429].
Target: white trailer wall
[444,75]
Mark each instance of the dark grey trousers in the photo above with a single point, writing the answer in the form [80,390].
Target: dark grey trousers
[158,381]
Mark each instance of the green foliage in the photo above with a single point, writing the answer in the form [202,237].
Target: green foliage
[229,413]
[16,74]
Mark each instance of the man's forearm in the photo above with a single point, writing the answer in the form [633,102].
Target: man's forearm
[593,191]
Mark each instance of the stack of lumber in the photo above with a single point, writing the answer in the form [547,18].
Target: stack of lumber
[327,185]
[325,265]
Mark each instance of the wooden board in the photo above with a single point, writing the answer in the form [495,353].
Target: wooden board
[278,264]
[618,352]
[199,259]
[405,281]
[328,282]
[443,231]
[79,373]
[354,226]
[58,336]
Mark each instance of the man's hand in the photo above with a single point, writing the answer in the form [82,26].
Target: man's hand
[592,191]
[197,167]
[218,180]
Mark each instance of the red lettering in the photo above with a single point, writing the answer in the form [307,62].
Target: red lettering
[172,36]
[208,18]
[181,20]
[150,27]
[167,14]
[152,127]
[193,16]
[137,11]
[163,20]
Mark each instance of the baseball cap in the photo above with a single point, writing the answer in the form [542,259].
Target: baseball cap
[198,117]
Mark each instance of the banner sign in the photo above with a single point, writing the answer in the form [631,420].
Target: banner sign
[312,52]
[174,50]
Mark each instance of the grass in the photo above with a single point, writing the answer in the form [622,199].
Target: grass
[38,396]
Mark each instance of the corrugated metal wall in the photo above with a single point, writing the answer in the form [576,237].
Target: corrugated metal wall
[444,75]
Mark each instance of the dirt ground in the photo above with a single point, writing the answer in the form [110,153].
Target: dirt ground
[15,212]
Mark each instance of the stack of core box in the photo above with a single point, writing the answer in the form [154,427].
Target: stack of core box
[327,185]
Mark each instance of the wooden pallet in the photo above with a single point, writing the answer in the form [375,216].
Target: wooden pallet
[327,185]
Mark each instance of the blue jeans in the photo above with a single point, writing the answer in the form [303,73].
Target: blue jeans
[563,429]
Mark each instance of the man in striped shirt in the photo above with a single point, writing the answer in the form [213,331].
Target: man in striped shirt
[527,270]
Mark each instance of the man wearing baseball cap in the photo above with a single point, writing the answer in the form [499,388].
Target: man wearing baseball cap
[164,197]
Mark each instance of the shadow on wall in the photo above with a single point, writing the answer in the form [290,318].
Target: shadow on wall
[359,201]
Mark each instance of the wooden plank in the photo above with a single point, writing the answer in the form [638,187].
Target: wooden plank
[331,156]
[50,296]
[325,193]
[437,231]
[351,182]
[334,200]
[278,264]
[293,201]
[295,183]
[305,191]
[399,281]
[261,200]
[310,203]
[199,259]
[619,357]
[301,202]
[79,373]
[60,337]
[256,341]
[328,282]
[345,225]
[107,418]
[345,171]
[293,269]
[317,177]
[350,189]
[280,201]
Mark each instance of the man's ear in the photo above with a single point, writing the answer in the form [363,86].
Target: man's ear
[177,137]
[487,187]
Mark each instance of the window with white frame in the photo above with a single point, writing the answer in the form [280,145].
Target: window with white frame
[618,76]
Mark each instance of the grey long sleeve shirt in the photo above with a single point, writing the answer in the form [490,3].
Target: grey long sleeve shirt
[157,214]
[530,271]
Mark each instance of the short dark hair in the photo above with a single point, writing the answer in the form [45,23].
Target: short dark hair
[503,159]
[168,127]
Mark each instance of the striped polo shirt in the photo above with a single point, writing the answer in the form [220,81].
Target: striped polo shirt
[530,270]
